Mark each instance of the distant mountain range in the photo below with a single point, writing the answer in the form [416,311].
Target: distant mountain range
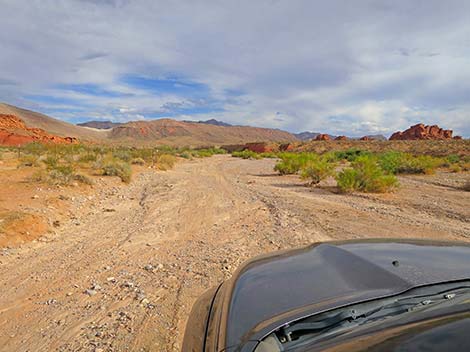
[100,125]
[161,131]
[151,132]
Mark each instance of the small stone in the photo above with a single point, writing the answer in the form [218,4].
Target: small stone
[148,267]
[90,292]
[35,196]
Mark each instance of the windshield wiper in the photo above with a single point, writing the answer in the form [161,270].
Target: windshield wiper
[328,323]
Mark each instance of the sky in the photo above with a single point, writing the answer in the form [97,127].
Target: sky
[341,67]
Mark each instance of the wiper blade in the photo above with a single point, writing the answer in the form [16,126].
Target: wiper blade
[325,324]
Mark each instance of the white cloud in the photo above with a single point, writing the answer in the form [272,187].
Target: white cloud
[298,65]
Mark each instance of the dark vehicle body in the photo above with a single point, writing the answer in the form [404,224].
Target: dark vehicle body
[271,294]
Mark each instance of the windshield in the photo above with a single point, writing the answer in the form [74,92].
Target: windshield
[334,322]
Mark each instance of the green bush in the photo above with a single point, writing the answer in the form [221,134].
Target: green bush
[350,154]
[269,155]
[88,157]
[138,161]
[246,154]
[366,176]
[292,163]
[122,154]
[118,168]
[83,179]
[317,170]
[403,163]
[51,161]
[453,158]
[61,174]
[29,161]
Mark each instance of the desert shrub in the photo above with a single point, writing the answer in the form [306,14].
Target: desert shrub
[453,158]
[366,176]
[50,161]
[113,167]
[87,157]
[455,168]
[246,154]
[122,154]
[82,179]
[34,148]
[268,155]
[210,151]
[61,174]
[422,164]
[403,163]
[292,163]
[166,161]
[350,154]
[317,170]
[186,155]
[39,176]
[138,161]
[29,160]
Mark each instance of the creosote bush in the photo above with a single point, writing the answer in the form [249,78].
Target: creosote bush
[366,176]
[317,170]
[292,163]
[166,162]
[247,154]
[114,167]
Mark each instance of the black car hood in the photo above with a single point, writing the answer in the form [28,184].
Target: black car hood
[272,290]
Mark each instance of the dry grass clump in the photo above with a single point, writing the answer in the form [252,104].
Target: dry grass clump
[166,162]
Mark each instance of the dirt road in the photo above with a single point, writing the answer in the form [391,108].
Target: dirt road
[122,274]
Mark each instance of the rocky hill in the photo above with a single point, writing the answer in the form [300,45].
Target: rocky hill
[172,132]
[14,132]
[50,125]
[99,125]
[215,123]
[422,131]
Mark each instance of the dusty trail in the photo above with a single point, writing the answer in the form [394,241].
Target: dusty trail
[146,251]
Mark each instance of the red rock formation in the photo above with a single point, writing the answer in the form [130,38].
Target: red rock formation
[421,131]
[341,138]
[457,137]
[286,147]
[258,147]
[365,138]
[323,137]
[14,132]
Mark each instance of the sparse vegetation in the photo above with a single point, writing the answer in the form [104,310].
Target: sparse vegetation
[116,167]
[64,164]
[246,154]
[292,163]
[317,170]
[166,162]
[366,176]
[138,161]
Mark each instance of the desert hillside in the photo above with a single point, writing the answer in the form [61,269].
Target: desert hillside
[50,125]
[172,132]
[162,131]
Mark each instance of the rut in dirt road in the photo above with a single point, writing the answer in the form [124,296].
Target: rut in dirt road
[124,276]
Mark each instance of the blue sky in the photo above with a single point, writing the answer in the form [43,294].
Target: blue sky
[339,67]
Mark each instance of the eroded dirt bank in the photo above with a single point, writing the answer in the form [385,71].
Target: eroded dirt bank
[123,274]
